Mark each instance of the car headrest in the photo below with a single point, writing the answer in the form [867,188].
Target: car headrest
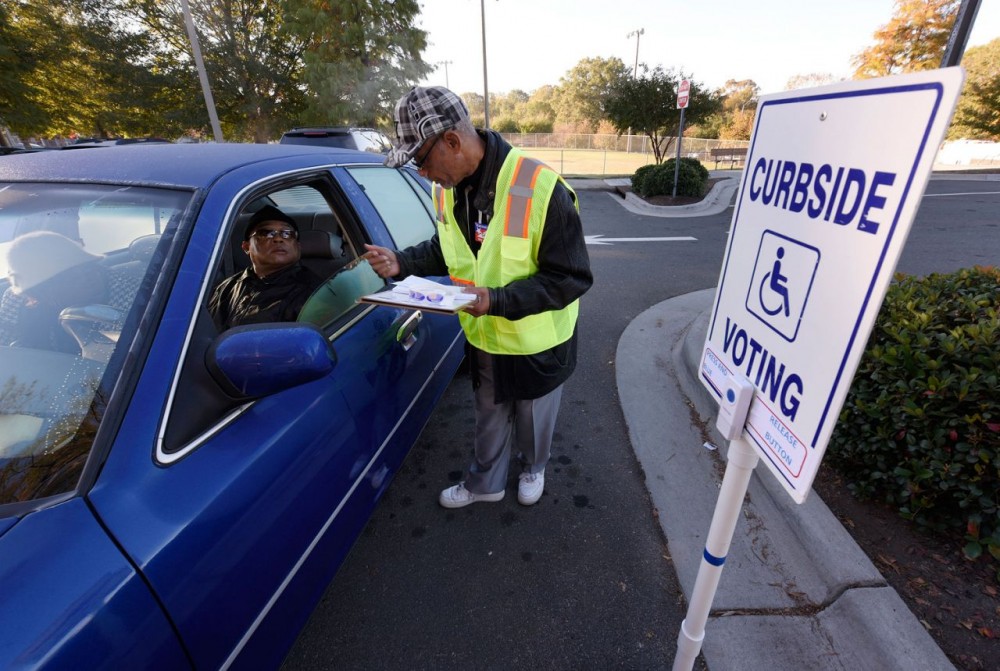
[321,244]
[142,248]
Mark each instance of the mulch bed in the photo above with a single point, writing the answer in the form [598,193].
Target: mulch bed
[954,598]
[668,200]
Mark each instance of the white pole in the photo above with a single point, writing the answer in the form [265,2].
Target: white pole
[202,75]
[742,460]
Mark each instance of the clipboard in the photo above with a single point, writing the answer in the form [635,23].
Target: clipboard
[417,293]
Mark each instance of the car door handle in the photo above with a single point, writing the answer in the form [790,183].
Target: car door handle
[406,335]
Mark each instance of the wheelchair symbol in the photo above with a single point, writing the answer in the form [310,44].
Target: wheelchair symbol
[781,282]
[775,283]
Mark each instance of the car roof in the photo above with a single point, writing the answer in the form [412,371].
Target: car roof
[174,165]
[327,129]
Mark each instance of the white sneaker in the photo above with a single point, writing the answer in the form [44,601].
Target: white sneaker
[529,488]
[459,497]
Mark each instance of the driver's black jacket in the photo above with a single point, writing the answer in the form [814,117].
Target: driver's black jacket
[244,298]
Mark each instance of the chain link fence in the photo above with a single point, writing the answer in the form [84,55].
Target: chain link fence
[600,155]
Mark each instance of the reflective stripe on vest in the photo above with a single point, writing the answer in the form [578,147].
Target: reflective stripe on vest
[519,201]
[509,252]
[439,203]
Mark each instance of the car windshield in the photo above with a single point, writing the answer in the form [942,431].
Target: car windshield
[73,259]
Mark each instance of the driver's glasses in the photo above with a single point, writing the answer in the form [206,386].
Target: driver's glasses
[272,233]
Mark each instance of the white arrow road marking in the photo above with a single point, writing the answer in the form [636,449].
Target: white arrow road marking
[601,240]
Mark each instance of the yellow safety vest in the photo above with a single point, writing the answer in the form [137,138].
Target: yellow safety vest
[509,252]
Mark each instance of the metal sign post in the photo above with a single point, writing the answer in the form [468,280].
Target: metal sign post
[960,33]
[832,183]
[683,91]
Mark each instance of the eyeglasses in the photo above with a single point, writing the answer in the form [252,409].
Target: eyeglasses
[419,162]
[272,233]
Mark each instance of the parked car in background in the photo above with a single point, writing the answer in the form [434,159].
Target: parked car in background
[172,496]
[113,142]
[346,137]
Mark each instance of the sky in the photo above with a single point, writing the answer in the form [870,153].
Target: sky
[531,43]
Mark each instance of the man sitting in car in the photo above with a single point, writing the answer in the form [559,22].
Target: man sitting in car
[276,286]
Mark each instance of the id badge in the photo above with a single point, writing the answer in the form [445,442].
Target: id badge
[480,231]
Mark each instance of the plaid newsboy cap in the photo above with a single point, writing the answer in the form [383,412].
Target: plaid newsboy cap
[420,115]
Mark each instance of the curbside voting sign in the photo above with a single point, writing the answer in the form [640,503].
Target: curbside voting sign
[833,179]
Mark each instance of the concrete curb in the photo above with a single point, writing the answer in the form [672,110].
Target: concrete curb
[717,200]
[797,591]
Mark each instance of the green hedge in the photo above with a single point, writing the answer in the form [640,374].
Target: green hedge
[658,180]
[920,428]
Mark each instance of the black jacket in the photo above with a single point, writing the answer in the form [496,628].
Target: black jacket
[245,298]
[563,275]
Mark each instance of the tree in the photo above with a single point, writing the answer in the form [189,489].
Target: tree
[579,102]
[506,104]
[809,81]
[75,67]
[359,57]
[739,108]
[648,105]
[109,67]
[19,108]
[253,63]
[477,107]
[914,39]
[978,114]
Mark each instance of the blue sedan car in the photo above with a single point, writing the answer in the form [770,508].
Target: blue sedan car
[173,496]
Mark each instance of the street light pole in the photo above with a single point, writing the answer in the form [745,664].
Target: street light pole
[486,87]
[635,74]
[637,34]
[206,89]
[446,64]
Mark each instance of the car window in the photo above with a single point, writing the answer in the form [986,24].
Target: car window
[74,261]
[338,295]
[324,242]
[372,141]
[403,206]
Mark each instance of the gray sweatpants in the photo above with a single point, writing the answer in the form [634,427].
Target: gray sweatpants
[527,426]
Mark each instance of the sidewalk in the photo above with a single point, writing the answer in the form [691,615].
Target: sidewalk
[797,592]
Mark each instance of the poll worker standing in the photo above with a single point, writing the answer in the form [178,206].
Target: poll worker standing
[509,230]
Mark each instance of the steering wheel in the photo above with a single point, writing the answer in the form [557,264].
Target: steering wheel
[95,329]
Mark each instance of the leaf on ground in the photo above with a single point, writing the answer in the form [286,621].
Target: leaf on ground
[966,623]
[986,632]
[887,561]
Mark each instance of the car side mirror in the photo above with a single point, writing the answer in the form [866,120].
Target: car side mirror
[263,359]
